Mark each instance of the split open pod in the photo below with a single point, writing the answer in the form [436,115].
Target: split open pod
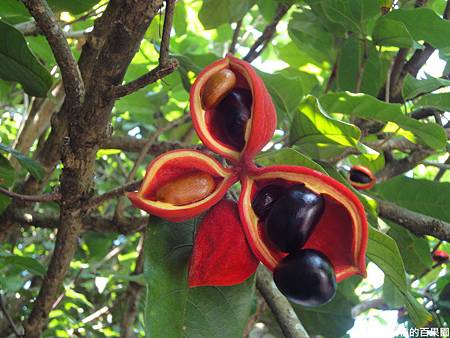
[288,217]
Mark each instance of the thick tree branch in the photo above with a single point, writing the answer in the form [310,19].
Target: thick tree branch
[73,83]
[154,75]
[267,34]
[417,223]
[281,309]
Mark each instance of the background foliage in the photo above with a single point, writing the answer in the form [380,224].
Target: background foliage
[350,84]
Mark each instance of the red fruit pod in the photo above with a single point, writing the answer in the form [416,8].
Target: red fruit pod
[221,255]
[181,184]
[208,114]
[440,256]
[361,178]
[341,233]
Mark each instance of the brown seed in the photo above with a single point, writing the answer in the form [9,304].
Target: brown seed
[186,189]
[217,86]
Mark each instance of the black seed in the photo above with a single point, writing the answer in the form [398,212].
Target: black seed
[234,111]
[293,217]
[306,277]
[359,177]
[264,199]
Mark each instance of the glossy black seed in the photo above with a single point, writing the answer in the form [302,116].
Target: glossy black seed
[264,199]
[359,177]
[306,277]
[234,111]
[293,217]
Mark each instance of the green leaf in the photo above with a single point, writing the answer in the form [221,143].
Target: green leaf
[26,263]
[319,135]
[32,166]
[286,92]
[17,62]
[368,107]
[179,19]
[349,64]
[389,32]
[7,175]
[440,101]
[432,200]
[375,70]
[414,250]
[419,21]
[173,309]
[383,251]
[287,156]
[309,35]
[413,87]
[217,12]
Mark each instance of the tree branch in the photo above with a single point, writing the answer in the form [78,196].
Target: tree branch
[377,303]
[31,198]
[8,318]
[234,39]
[267,34]
[154,75]
[95,201]
[417,223]
[73,83]
[135,145]
[167,28]
[281,309]
[134,289]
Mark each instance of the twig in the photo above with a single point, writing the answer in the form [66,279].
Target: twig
[29,28]
[31,198]
[267,34]
[154,75]
[135,145]
[93,316]
[72,80]
[377,303]
[417,223]
[444,166]
[131,186]
[167,28]
[132,296]
[426,271]
[281,309]
[332,76]
[234,39]
[9,319]
[442,171]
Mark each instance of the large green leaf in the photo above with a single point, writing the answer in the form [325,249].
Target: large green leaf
[413,87]
[433,199]
[383,251]
[349,64]
[440,101]
[17,62]
[287,156]
[310,36]
[174,310]
[414,250]
[424,24]
[319,135]
[352,14]
[389,32]
[33,167]
[366,106]
[26,263]
[217,12]
[286,92]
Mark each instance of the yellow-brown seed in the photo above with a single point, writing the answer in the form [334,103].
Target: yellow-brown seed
[217,86]
[189,188]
